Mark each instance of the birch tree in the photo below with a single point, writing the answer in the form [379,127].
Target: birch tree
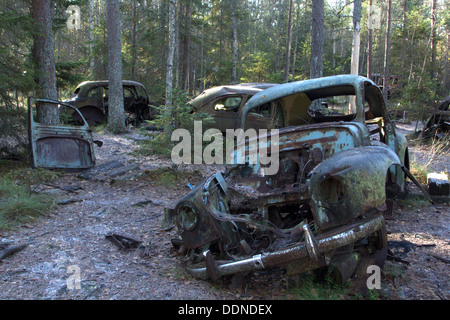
[287,56]
[169,64]
[357,7]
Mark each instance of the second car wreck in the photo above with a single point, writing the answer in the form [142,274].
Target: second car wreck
[339,156]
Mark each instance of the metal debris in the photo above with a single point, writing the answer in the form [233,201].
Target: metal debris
[10,250]
[123,242]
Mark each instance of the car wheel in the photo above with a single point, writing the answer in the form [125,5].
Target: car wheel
[371,263]
[92,115]
[353,263]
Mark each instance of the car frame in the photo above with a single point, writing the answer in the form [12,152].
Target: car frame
[324,206]
[91,99]
[224,104]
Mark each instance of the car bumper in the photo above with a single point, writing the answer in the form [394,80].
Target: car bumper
[311,251]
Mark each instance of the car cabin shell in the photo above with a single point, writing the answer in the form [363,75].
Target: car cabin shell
[225,104]
[91,98]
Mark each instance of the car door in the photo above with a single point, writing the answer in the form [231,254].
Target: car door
[62,146]
[260,117]
[129,96]
[225,111]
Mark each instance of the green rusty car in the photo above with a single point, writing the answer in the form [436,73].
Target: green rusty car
[339,158]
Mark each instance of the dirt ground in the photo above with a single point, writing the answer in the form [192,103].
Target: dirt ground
[130,201]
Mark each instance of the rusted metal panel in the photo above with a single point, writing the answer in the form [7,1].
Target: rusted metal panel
[348,184]
[59,146]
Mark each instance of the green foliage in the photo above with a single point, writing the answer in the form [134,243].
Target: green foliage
[16,73]
[180,115]
[422,91]
[308,288]
[13,133]
[204,49]
[15,69]
[409,201]
[18,203]
[171,176]
[437,151]
[67,74]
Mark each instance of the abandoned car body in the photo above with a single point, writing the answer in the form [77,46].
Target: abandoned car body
[338,156]
[91,98]
[224,104]
[61,146]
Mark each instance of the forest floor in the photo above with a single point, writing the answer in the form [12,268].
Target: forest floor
[72,241]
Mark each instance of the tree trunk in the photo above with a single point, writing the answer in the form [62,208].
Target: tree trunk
[133,40]
[43,55]
[116,114]
[446,82]
[317,39]
[356,36]
[169,65]
[177,50]
[202,52]
[386,52]
[280,34]
[404,39]
[235,42]
[186,60]
[405,10]
[433,40]
[91,35]
[294,59]
[287,56]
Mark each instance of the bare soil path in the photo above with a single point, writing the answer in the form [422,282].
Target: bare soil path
[71,241]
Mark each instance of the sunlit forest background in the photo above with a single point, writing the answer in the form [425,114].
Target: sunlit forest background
[217,40]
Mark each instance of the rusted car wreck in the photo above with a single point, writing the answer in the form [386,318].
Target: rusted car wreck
[339,155]
[91,99]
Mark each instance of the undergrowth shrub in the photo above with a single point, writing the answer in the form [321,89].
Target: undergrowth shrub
[13,133]
[18,202]
[180,116]
[437,152]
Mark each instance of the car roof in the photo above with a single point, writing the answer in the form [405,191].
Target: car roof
[214,92]
[90,84]
[314,86]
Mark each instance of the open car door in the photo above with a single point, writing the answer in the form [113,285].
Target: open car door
[62,146]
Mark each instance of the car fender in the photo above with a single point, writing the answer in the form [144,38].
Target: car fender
[349,183]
